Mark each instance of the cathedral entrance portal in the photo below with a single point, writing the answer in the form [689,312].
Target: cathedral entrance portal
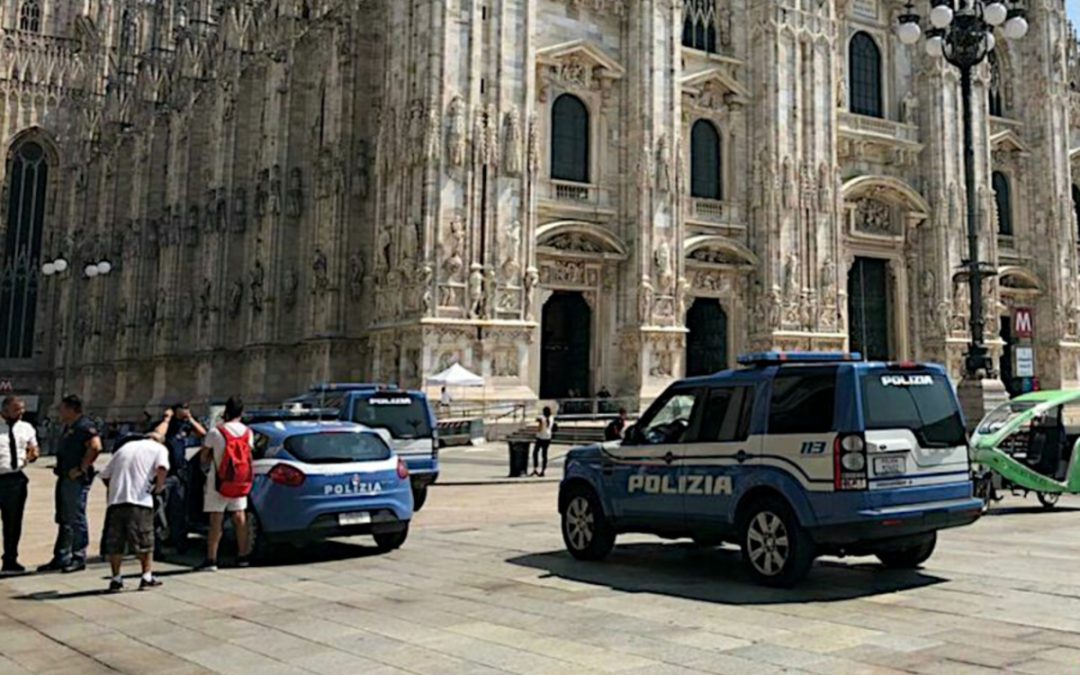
[868,309]
[565,345]
[707,341]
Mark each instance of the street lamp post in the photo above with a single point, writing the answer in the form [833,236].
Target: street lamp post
[962,32]
[90,270]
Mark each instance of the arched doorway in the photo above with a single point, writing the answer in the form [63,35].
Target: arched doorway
[868,309]
[28,172]
[565,345]
[707,341]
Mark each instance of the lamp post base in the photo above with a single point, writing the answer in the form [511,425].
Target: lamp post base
[978,396]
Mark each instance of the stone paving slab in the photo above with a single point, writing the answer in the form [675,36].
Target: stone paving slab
[482,590]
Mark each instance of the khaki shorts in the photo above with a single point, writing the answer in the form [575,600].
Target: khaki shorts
[129,530]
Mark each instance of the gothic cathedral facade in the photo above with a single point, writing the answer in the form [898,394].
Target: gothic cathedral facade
[561,195]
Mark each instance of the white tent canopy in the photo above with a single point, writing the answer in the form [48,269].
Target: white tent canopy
[456,375]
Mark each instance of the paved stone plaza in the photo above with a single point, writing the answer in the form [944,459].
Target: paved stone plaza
[483,585]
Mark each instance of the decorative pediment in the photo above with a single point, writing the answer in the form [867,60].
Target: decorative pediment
[714,250]
[715,88]
[887,189]
[579,64]
[1007,141]
[1018,279]
[577,238]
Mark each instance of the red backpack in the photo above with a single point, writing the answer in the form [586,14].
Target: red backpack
[234,474]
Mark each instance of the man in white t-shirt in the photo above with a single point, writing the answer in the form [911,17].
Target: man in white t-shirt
[136,471]
[214,503]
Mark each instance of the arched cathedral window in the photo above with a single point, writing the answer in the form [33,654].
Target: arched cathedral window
[27,181]
[864,68]
[30,16]
[706,174]
[1003,202]
[699,25]
[570,139]
[996,98]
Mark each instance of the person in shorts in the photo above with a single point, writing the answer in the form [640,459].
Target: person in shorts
[214,504]
[136,471]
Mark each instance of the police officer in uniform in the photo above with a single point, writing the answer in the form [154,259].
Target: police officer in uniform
[18,447]
[79,446]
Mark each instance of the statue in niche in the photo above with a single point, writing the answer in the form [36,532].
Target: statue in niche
[221,210]
[274,203]
[512,143]
[257,294]
[791,277]
[909,107]
[239,219]
[476,294]
[356,276]
[236,298]
[455,137]
[294,203]
[530,281]
[262,193]
[409,243]
[290,285]
[321,269]
[363,170]
[384,249]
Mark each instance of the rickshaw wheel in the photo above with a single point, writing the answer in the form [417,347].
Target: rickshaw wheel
[1048,499]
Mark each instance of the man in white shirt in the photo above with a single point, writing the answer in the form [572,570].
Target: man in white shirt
[18,447]
[136,471]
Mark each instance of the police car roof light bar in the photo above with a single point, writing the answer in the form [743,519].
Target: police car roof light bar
[774,358]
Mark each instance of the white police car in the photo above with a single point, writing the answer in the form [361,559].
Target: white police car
[794,456]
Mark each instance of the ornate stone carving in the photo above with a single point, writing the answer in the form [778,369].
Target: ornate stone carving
[645,303]
[274,200]
[206,300]
[410,244]
[290,285]
[262,193]
[574,241]
[530,281]
[663,266]
[239,218]
[663,165]
[511,249]
[476,293]
[874,217]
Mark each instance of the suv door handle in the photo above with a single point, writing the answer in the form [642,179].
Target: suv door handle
[741,456]
[669,458]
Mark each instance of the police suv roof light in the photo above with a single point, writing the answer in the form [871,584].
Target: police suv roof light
[773,358]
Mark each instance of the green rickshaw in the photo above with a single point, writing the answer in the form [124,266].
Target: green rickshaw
[1029,445]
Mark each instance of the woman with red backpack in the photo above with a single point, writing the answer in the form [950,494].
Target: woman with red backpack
[226,452]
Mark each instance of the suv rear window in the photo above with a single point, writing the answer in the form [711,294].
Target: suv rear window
[803,400]
[337,447]
[921,402]
[404,416]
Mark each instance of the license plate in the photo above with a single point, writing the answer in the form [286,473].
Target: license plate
[358,518]
[889,466]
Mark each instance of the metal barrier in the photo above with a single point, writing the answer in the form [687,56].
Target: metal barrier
[461,431]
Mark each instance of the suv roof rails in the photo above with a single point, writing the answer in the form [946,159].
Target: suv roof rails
[290,415]
[762,359]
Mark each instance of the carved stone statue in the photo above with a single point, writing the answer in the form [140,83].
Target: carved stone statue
[426,298]
[356,276]
[409,244]
[362,176]
[221,210]
[456,130]
[455,247]
[290,284]
[206,299]
[476,293]
[294,199]
[236,298]
[530,281]
[511,248]
[662,260]
[645,303]
[663,165]
[321,271]
[274,203]
[193,226]
[257,294]
[490,292]
[262,193]
[239,218]
[909,107]
[432,136]
[791,277]
[383,249]
[512,150]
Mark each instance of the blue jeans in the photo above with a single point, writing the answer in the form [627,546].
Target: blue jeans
[73,532]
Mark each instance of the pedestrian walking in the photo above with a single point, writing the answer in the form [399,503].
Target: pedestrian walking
[18,447]
[80,444]
[132,476]
[614,430]
[226,452]
[444,399]
[545,426]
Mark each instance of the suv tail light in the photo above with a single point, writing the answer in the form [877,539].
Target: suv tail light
[402,470]
[849,463]
[287,475]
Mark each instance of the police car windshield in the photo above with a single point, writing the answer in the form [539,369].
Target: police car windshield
[337,447]
[920,402]
[402,415]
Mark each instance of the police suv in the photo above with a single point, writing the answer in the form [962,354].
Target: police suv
[794,456]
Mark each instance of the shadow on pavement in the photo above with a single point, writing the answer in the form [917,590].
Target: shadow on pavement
[57,595]
[330,550]
[716,575]
[1028,510]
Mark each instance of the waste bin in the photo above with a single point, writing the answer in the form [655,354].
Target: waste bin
[519,458]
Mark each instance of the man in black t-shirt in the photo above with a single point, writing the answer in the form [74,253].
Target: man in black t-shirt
[80,444]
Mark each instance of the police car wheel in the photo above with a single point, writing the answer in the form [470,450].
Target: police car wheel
[419,496]
[776,549]
[586,531]
[259,548]
[391,541]
[911,556]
